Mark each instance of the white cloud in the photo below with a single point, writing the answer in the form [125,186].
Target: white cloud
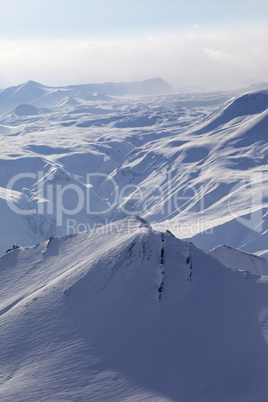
[217,55]
[209,59]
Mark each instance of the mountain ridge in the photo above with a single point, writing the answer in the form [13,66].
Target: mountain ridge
[134,314]
[35,93]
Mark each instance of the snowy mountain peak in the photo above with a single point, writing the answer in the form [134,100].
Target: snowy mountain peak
[70,101]
[140,220]
[78,309]
[32,84]
[57,175]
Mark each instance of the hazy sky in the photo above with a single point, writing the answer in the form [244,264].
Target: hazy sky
[212,44]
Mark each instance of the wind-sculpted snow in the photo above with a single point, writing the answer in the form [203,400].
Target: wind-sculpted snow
[195,164]
[239,107]
[127,313]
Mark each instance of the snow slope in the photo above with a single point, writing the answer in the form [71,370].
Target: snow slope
[128,313]
[240,260]
[195,164]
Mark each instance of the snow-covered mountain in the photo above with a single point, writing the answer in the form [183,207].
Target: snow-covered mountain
[39,95]
[240,260]
[127,313]
[78,157]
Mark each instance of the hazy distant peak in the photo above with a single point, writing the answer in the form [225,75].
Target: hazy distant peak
[152,86]
[32,84]
[257,86]
[70,101]
[40,95]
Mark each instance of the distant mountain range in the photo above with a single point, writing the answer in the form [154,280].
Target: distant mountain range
[44,96]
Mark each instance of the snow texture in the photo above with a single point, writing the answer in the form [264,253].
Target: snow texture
[123,308]
[199,160]
[82,319]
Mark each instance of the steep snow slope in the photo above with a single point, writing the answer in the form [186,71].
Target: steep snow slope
[247,104]
[238,259]
[127,313]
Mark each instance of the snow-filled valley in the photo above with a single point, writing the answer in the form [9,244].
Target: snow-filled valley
[108,195]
